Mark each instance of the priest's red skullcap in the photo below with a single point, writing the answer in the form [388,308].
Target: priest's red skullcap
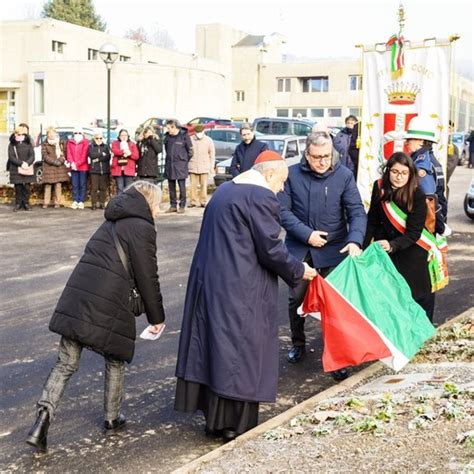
[268,155]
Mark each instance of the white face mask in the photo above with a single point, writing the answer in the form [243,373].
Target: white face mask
[78,137]
[199,135]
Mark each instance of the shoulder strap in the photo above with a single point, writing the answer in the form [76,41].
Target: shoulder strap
[122,255]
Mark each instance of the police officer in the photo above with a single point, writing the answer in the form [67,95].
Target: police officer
[420,136]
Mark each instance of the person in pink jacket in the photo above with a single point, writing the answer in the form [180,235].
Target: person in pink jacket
[76,157]
[125,153]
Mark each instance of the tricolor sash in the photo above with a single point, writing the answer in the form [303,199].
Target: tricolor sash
[436,247]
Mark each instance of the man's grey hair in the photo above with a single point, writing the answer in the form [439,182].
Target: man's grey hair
[318,139]
[269,165]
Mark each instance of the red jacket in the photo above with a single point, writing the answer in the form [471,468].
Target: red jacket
[77,153]
[129,168]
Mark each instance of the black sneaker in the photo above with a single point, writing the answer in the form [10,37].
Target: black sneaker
[111,427]
[340,375]
[296,354]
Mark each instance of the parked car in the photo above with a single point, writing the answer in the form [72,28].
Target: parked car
[157,123]
[225,140]
[283,126]
[207,122]
[102,123]
[459,139]
[64,134]
[469,201]
[291,147]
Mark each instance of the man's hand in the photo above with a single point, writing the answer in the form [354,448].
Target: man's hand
[309,273]
[385,245]
[353,249]
[156,328]
[316,238]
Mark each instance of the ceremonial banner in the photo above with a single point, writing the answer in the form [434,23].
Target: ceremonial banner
[367,313]
[401,81]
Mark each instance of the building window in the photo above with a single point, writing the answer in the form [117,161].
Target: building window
[283,112]
[284,85]
[315,84]
[58,47]
[92,54]
[299,113]
[240,96]
[335,112]
[124,59]
[317,113]
[355,82]
[355,111]
[38,93]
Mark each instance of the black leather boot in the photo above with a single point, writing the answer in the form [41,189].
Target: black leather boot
[38,435]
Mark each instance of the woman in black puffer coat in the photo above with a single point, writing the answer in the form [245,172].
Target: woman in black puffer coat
[21,155]
[149,148]
[93,310]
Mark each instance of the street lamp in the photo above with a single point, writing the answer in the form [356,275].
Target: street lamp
[109,54]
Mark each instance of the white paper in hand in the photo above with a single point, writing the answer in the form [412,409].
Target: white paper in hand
[146,334]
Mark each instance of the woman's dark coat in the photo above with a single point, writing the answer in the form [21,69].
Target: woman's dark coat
[54,169]
[99,158]
[179,151]
[93,308]
[229,334]
[409,258]
[147,164]
[25,152]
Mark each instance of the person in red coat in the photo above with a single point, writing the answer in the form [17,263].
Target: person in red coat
[125,153]
[76,157]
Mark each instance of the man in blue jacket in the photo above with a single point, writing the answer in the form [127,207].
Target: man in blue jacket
[322,213]
[246,151]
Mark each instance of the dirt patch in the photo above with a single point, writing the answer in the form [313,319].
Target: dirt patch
[418,420]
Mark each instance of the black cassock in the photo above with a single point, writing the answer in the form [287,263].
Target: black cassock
[228,350]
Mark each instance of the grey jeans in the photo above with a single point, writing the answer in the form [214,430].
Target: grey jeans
[68,362]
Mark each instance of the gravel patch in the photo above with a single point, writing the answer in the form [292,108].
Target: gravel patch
[425,424]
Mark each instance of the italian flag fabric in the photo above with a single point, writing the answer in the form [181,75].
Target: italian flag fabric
[367,313]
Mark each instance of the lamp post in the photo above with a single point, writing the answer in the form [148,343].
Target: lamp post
[109,54]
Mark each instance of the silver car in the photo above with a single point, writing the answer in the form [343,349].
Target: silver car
[291,147]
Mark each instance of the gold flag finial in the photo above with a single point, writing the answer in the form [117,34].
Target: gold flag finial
[401,18]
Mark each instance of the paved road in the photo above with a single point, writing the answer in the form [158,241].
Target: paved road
[38,252]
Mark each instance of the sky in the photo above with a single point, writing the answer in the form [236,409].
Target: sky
[316,29]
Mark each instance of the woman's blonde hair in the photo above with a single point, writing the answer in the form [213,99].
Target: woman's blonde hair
[151,192]
[51,129]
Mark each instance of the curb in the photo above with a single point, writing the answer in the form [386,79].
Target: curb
[287,415]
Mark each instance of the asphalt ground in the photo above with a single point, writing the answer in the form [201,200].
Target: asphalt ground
[38,252]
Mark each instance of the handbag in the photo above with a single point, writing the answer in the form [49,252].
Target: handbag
[430,221]
[135,302]
[29,171]
[122,161]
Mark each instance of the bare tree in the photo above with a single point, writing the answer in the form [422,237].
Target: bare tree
[162,38]
[138,34]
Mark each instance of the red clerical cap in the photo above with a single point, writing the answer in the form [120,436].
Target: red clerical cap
[268,155]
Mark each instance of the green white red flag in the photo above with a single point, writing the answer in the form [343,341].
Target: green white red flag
[367,313]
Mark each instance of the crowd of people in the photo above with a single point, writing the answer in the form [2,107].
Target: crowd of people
[77,159]
[228,350]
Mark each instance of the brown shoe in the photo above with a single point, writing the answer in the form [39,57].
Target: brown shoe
[181,210]
[171,210]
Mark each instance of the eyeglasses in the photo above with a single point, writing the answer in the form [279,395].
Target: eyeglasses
[98,138]
[399,174]
[319,158]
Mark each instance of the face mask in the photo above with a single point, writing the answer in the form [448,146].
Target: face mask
[199,135]
[78,137]
[19,138]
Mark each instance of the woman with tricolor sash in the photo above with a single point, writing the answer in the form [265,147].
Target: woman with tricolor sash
[396,220]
